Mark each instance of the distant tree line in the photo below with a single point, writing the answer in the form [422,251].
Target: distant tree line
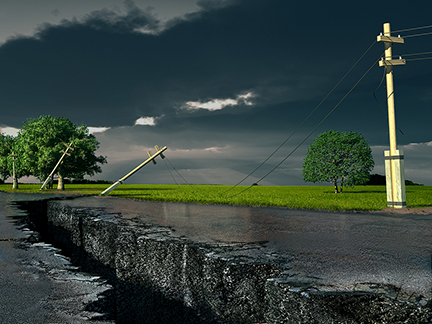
[380,180]
[39,145]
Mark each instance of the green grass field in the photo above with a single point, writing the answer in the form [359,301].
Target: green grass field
[304,197]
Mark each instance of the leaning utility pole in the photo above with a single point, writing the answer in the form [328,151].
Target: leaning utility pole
[150,159]
[58,163]
[394,158]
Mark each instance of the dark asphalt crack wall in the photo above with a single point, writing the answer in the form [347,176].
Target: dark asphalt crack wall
[161,278]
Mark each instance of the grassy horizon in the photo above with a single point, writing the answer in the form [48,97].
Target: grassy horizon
[298,197]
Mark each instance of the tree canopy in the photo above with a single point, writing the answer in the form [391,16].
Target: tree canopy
[343,159]
[40,144]
[5,151]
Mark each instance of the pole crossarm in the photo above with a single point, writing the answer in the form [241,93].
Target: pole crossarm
[150,159]
[68,147]
[392,62]
[390,39]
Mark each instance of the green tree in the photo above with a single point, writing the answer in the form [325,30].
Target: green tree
[40,143]
[5,151]
[9,163]
[338,158]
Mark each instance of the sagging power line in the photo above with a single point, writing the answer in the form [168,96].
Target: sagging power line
[388,61]
[304,121]
[410,29]
[295,149]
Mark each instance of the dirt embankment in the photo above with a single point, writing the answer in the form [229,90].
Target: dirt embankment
[419,211]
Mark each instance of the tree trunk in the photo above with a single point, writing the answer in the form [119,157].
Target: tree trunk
[341,186]
[336,187]
[15,183]
[60,184]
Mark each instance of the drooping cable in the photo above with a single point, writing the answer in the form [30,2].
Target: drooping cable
[412,54]
[304,140]
[290,135]
[416,35]
[172,176]
[189,184]
[301,124]
[379,86]
[419,59]
[409,29]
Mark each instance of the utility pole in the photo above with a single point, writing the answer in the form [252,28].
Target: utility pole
[394,158]
[150,159]
[58,163]
[15,181]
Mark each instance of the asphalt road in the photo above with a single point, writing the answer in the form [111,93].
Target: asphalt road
[339,249]
[37,283]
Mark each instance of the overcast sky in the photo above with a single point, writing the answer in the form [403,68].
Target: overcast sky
[220,83]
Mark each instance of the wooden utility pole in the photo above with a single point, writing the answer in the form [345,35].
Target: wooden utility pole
[394,158]
[58,163]
[15,180]
[150,159]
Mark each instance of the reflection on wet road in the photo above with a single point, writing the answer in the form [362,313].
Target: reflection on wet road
[339,248]
[37,283]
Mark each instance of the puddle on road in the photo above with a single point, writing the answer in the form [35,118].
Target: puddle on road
[77,296]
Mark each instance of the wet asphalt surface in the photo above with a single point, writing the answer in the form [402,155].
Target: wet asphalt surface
[37,283]
[337,249]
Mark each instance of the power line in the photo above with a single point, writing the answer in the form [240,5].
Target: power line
[409,29]
[379,86]
[413,54]
[419,59]
[379,104]
[415,35]
[304,140]
[190,185]
[291,133]
[313,111]
[166,164]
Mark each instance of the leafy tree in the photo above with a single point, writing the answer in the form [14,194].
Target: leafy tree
[338,158]
[5,150]
[40,143]
[8,146]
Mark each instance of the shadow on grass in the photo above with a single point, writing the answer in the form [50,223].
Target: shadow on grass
[375,191]
[129,195]
[355,192]
[143,189]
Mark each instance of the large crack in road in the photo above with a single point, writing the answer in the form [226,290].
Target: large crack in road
[37,283]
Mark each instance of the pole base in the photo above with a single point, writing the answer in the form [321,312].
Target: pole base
[395,179]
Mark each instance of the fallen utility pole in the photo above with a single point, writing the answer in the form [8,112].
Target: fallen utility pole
[150,159]
[394,158]
[58,163]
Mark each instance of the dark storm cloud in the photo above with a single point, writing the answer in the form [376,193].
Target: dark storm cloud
[109,69]
[102,71]
[108,20]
